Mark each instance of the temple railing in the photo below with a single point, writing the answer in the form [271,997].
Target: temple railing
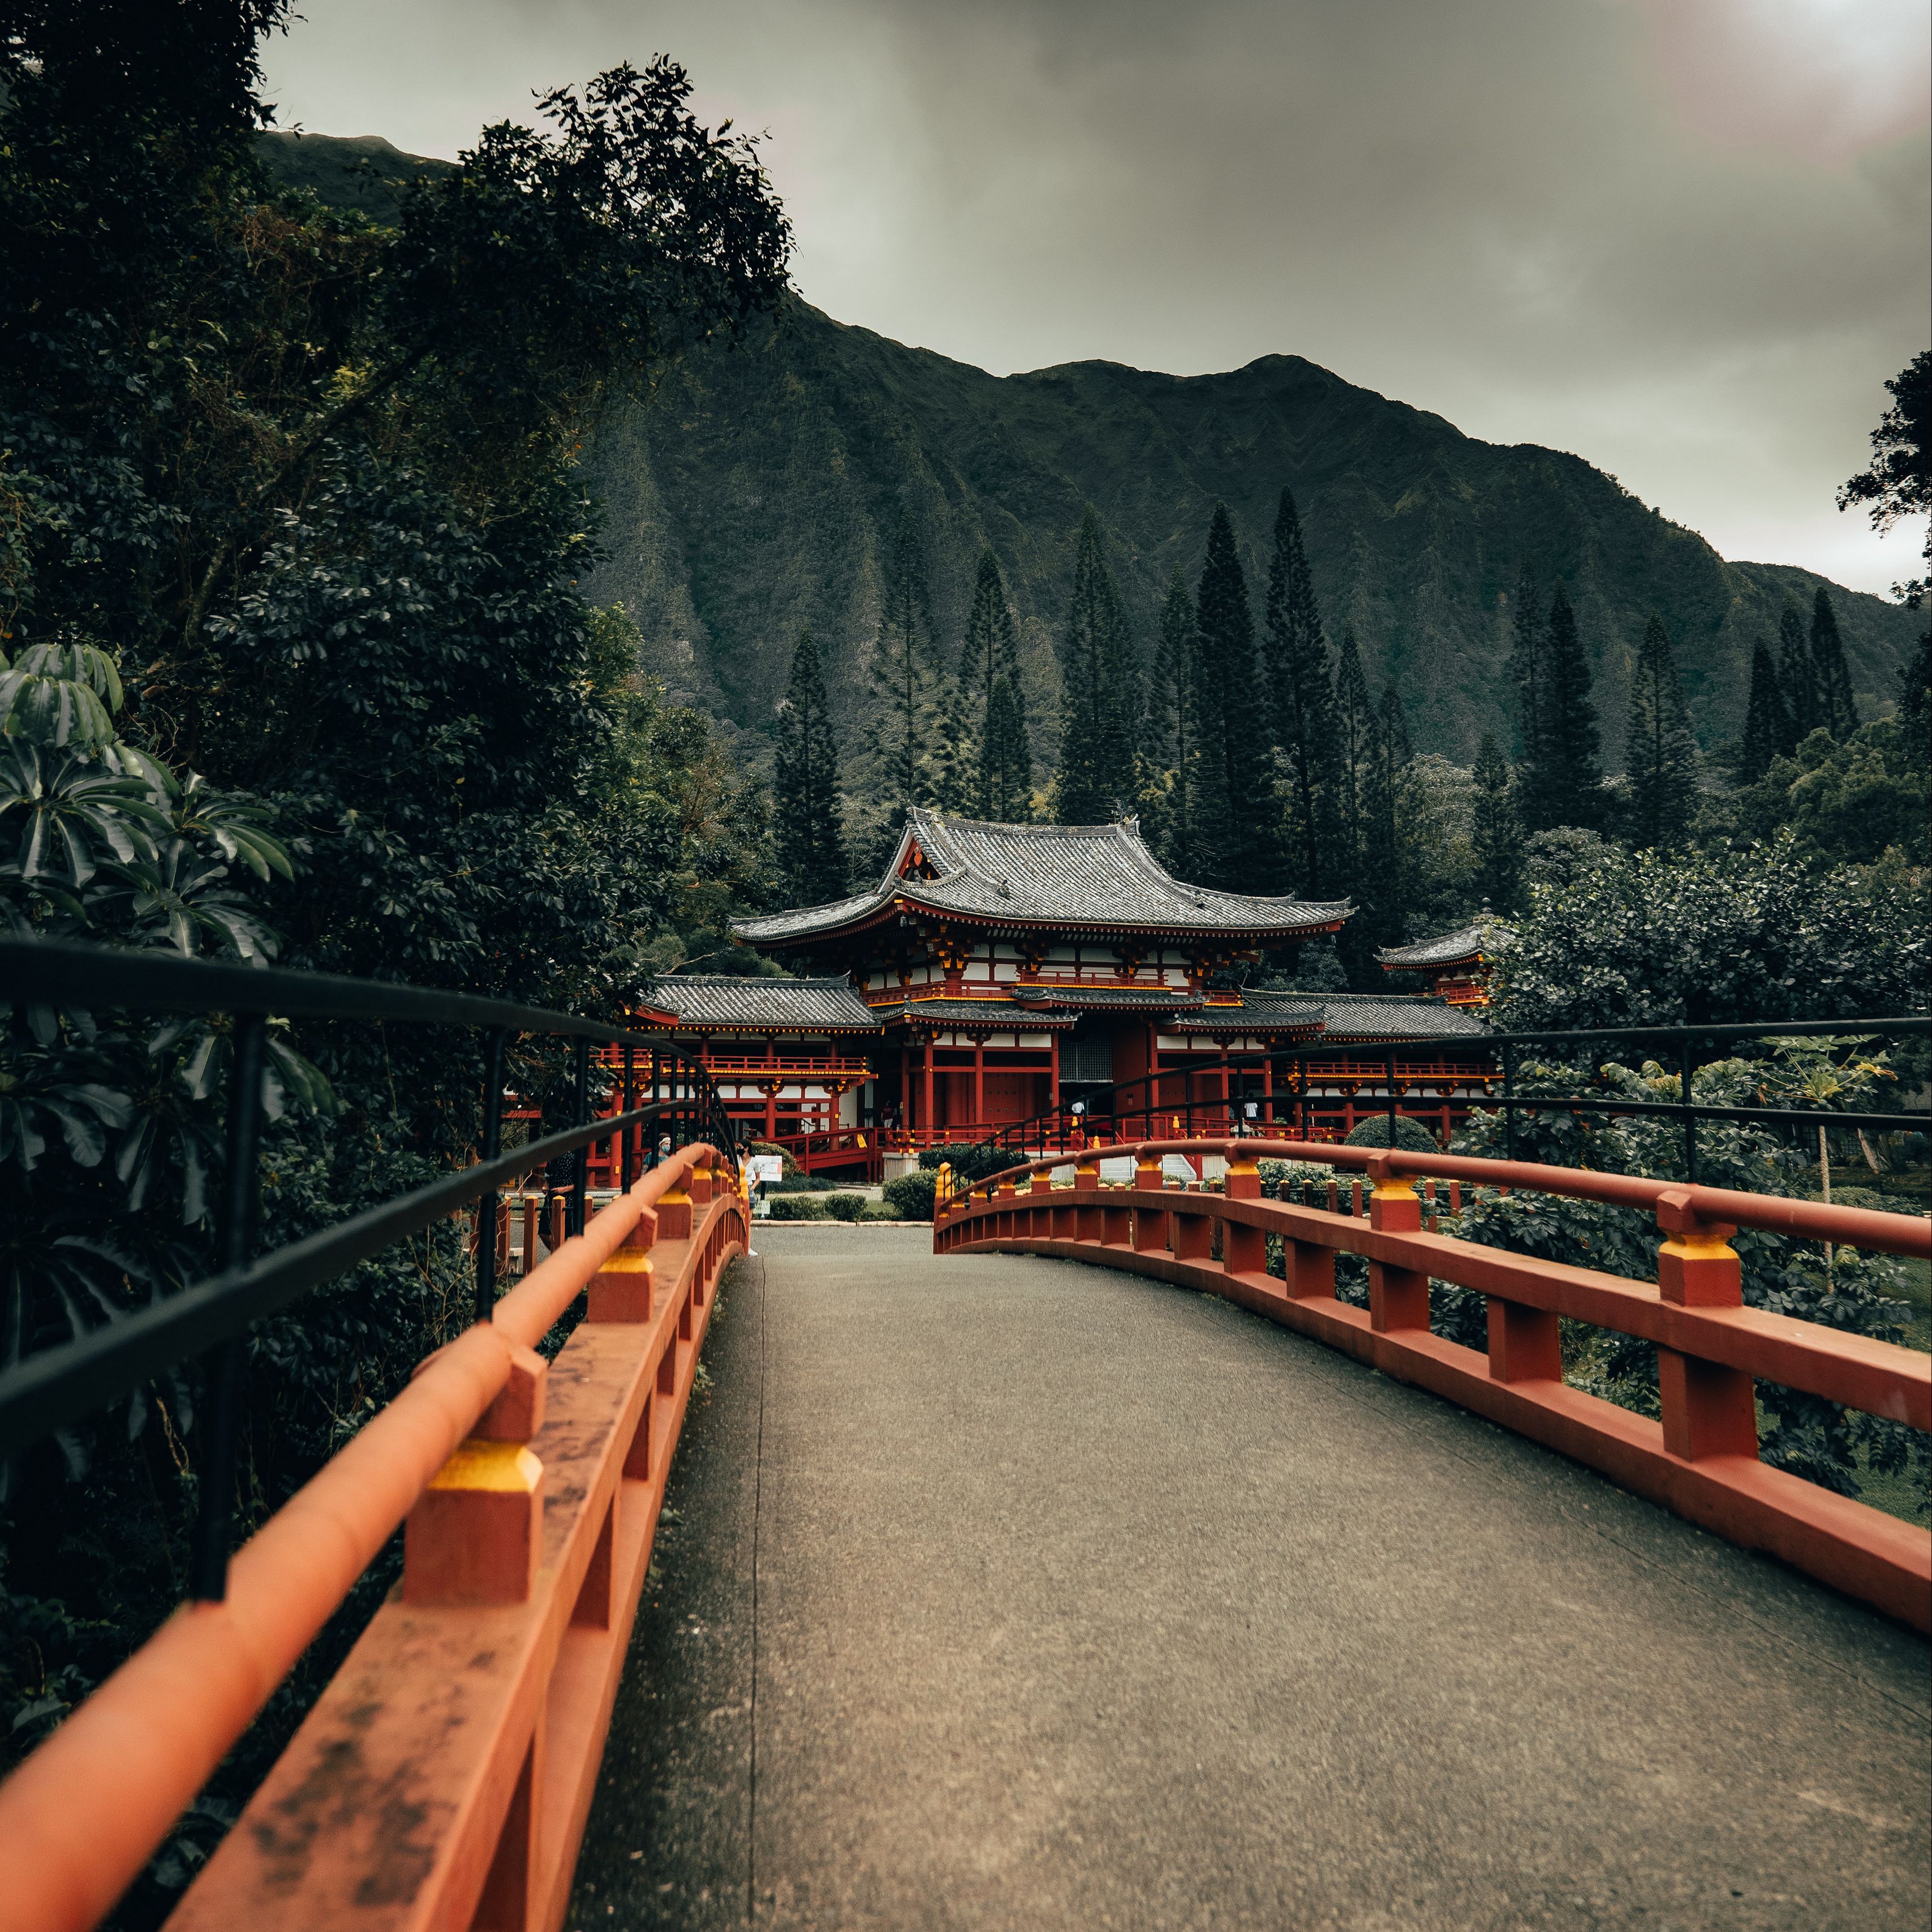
[1700,1458]
[1298,1082]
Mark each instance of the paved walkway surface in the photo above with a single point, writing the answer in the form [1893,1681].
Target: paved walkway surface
[1011,1593]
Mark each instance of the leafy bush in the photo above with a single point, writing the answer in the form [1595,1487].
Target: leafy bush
[910,1196]
[880,1211]
[796,1208]
[801,1183]
[1761,932]
[844,1207]
[1411,1136]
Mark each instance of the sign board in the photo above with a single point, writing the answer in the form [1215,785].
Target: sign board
[767,1167]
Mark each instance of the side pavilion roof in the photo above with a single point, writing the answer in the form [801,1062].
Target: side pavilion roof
[1447,949]
[1087,878]
[722,1001]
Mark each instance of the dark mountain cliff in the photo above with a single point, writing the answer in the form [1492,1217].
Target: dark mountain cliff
[761,489]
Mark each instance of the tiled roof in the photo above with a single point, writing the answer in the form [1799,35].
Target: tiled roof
[998,1015]
[785,1006]
[1447,949]
[1146,999]
[1258,1012]
[1089,876]
[1393,1016]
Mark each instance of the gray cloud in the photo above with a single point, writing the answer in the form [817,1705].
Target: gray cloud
[1686,238]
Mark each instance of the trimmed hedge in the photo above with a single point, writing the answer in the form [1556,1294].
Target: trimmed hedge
[796,1208]
[1411,1136]
[844,1207]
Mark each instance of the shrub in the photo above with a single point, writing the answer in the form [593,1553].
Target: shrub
[844,1207]
[801,1183]
[1411,1136]
[796,1208]
[910,1196]
[880,1210]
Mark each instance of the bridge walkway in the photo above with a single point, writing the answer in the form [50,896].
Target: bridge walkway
[1009,1592]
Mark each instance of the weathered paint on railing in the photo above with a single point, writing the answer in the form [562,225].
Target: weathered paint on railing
[444,1777]
[1700,1459]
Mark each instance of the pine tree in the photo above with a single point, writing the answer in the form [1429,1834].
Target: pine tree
[1004,773]
[1767,733]
[1384,885]
[1795,675]
[1915,693]
[1567,778]
[1354,741]
[1495,831]
[806,816]
[1101,713]
[1233,824]
[903,714]
[1830,675]
[1660,749]
[1166,776]
[952,763]
[1006,767]
[1303,690]
[1526,672]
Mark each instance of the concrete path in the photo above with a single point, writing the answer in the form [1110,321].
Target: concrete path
[1011,1593]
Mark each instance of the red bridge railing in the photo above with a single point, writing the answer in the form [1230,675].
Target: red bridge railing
[445,1777]
[1701,1459]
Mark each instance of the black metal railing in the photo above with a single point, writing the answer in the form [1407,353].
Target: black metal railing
[1061,1129]
[211,1317]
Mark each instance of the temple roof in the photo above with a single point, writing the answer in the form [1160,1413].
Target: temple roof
[1115,999]
[1087,878]
[786,1005]
[1447,948]
[996,1016]
[1367,1016]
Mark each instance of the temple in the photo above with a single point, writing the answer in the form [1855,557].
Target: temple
[999,974]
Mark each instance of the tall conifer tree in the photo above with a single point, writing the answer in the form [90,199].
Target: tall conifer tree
[1495,831]
[1354,744]
[1795,675]
[1166,751]
[1659,749]
[1830,675]
[1003,781]
[1526,670]
[1304,699]
[1235,823]
[1383,889]
[806,820]
[1768,733]
[1101,714]
[1566,767]
[903,715]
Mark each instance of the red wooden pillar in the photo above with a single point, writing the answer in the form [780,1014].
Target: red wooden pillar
[979,1078]
[1053,1072]
[925,1115]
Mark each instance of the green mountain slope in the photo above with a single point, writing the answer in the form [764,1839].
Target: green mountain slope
[359,171]
[761,487]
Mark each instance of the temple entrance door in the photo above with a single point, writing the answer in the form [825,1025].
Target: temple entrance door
[1012,1096]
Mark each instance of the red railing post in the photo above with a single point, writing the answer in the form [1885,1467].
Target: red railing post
[1525,1344]
[1398,1297]
[473,1536]
[1709,1409]
[1086,1190]
[1243,1249]
[1149,1223]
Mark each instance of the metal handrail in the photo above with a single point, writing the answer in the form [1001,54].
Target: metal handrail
[1051,1123]
[60,1385]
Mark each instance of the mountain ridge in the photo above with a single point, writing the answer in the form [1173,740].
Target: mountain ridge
[760,489]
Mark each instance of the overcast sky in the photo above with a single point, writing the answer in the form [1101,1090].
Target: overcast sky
[1688,239]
